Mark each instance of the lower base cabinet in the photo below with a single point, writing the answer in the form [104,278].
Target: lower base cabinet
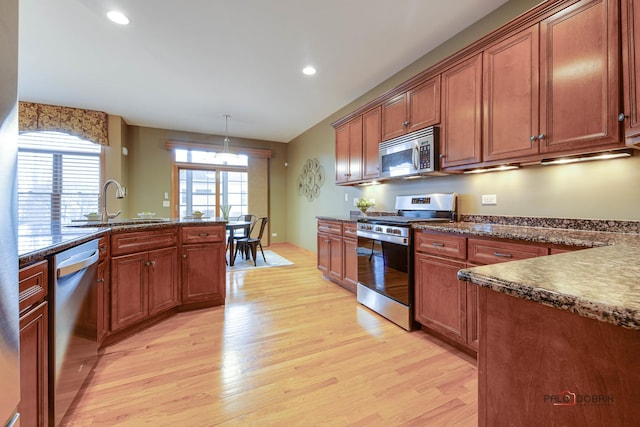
[337,252]
[34,367]
[440,297]
[34,345]
[203,273]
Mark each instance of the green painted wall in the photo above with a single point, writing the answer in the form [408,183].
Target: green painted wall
[600,190]
[149,172]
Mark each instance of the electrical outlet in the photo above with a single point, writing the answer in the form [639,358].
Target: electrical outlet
[489,199]
[166,203]
[274,234]
[346,197]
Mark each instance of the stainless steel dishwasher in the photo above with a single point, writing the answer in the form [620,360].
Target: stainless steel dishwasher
[73,326]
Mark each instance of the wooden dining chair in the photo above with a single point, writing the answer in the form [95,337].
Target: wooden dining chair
[250,244]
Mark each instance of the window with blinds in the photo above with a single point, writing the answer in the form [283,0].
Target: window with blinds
[58,177]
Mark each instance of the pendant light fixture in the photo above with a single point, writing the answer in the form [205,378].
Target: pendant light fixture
[225,156]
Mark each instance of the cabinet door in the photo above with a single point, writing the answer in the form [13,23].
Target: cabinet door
[461,126]
[473,319]
[370,143]
[394,117]
[129,302]
[203,274]
[440,296]
[335,256]
[355,149]
[350,266]
[424,105]
[579,82]
[34,366]
[510,93]
[324,253]
[342,154]
[631,68]
[162,271]
[102,301]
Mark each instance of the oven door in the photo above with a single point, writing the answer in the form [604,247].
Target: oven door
[384,276]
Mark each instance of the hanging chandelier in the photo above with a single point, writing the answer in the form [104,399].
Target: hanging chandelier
[225,156]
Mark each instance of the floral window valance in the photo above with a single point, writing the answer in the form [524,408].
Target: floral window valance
[86,124]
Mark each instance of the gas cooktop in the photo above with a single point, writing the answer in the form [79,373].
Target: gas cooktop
[435,207]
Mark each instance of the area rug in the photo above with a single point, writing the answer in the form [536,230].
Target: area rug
[273,260]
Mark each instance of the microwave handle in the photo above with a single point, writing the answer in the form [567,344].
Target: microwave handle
[415,156]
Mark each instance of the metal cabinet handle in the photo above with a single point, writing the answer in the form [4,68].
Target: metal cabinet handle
[438,244]
[533,138]
[501,255]
[405,124]
[150,263]
[203,234]
[101,280]
[184,255]
[442,156]
[541,136]
[621,117]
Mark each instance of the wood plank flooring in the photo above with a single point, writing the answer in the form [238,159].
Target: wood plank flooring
[289,349]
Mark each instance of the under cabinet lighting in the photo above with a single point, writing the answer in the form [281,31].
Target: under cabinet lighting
[586,158]
[118,17]
[494,169]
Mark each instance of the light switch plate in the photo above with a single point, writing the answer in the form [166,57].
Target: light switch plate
[489,199]
[166,203]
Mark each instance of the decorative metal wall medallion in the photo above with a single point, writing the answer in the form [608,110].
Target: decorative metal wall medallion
[311,179]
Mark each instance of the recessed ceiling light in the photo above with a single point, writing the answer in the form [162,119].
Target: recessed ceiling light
[118,17]
[309,70]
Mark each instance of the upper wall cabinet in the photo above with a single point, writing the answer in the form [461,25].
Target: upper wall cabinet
[460,131]
[416,109]
[570,63]
[357,148]
[631,69]
[349,151]
[579,78]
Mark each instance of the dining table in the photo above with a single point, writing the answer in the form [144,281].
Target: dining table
[232,227]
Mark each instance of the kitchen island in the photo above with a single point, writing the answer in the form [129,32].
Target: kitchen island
[559,339]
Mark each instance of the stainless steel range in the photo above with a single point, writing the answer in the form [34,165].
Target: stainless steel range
[385,254]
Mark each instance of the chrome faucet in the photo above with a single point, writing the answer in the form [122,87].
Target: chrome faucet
[120,193]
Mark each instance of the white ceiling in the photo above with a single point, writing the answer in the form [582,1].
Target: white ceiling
[183,64]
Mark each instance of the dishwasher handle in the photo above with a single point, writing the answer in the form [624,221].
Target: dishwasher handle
[77,262]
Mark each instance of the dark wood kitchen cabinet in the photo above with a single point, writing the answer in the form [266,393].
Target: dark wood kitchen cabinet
[579,78]
[330,249]
[440,298]
[144,275]
[203,273]
[554,87]
[371,143]
[350,256]
[337,252]
[631,69]
[416,109]
[349,151]
[34,356]
[461,121]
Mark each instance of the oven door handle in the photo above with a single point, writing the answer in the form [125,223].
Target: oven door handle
[399,240]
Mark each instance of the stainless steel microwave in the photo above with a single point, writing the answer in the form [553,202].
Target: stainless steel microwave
[415,153]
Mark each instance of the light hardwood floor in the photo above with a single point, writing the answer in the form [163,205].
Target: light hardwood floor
[289,348]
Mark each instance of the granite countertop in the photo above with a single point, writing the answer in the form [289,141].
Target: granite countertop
[601,282]
[37,240]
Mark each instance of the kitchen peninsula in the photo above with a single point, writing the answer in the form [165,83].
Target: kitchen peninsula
[145,272]
[559,335]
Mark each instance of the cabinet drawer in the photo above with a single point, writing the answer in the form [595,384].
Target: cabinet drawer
[492,252]
[349,230]
[441,244]
[331,227]
[141,241]
[207,234]
[33,284]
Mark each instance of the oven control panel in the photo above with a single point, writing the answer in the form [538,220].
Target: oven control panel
[384,229]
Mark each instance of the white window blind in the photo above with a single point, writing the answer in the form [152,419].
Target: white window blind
[58,177]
